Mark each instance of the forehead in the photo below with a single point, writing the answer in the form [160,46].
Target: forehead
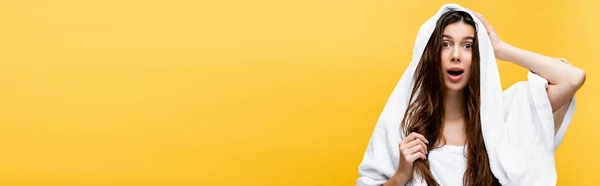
[459,30]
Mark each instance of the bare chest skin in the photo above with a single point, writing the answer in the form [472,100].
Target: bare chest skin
[454,133]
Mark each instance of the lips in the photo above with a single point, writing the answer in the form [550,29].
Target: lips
[455,74]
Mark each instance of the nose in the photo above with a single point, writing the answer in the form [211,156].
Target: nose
[455,54]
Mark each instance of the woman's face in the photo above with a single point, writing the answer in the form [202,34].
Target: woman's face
[456,55]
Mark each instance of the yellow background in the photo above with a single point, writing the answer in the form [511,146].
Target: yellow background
[233,92]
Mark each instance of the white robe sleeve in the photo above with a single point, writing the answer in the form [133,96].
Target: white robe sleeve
[534,92]
[378,163]
[528,156]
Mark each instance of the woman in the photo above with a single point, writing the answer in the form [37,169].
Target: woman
[456,126]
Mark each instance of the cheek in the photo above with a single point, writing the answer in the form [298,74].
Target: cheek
[467,61]
[445,57]
[468,56]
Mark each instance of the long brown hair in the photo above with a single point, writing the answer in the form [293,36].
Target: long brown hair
[425,111]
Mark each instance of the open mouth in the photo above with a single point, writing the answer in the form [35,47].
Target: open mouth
[455,72]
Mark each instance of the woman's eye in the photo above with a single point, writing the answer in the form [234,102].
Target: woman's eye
[468,46]
[446,44]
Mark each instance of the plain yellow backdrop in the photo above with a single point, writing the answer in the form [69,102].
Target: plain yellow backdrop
[234,92]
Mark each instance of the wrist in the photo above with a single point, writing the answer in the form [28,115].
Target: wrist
[502,50]
[401,177]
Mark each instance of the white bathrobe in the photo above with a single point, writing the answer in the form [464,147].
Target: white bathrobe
[517,125]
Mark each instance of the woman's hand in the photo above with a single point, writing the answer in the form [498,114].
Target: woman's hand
[411,148]
[497,43]
[564,79]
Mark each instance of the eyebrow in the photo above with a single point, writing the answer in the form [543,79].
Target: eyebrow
[465,38]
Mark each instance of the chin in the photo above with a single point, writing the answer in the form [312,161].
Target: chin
[455,87]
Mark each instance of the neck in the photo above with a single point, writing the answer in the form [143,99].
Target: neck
[453,101]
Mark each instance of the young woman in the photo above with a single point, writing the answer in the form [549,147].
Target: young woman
[433,134]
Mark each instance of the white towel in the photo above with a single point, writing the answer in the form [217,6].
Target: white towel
[517,124]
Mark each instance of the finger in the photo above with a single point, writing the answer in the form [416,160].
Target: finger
[411,158]
[480,17]
[405,141]
[414,135]
[416,142]
[484,21]
[414,149]
[422,144]
[488,27]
